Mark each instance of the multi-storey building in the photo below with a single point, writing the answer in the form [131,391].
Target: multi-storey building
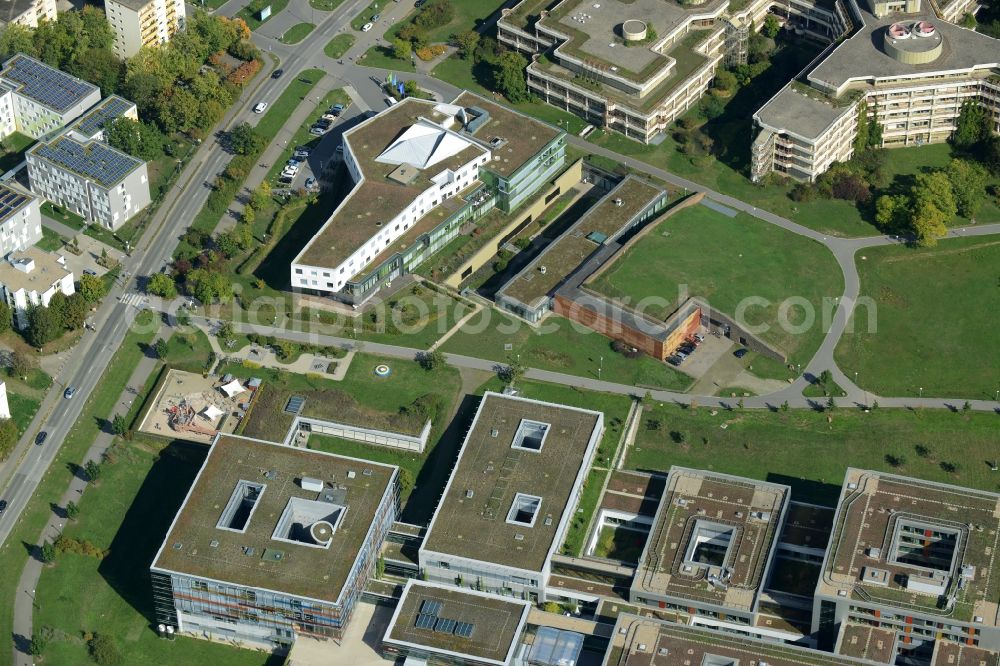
[710,549]
[30,278]
[141,23]
[911,566]
[511,496]
[634,66]
[36,99]
[20,220]
[272,542]
[909,73]
[27,12]
[422,170]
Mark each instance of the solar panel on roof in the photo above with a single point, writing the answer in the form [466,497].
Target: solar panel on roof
[464,629]
[425,621]
[45,84]
[444,625]
[10,201]
[93,160]
[105,112]
[430,607]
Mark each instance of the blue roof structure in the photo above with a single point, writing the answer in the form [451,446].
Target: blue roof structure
[92,160]
[11,201]
[46,85]
[97,118]
[555,647]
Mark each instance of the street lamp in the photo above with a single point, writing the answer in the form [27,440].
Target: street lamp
[600,368]
[921,391]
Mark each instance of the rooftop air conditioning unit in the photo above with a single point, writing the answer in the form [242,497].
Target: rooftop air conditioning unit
[311,484]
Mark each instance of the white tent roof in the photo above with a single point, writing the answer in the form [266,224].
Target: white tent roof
[232,388]
[212,412]
[423,145]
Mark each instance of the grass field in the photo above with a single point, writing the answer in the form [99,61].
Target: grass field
[13,152]
[189,351]
[366,15]
[253,22]
[99,407]
[619,543]
[279,110]
[297,33]
[382,57]
[561,346]
[325,5]
[62,215]
[811,453]
[128,513]
[929,331]
[727,261]
[50,241]
[339,45]
[468,15]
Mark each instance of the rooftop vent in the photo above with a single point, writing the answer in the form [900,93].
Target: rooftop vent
[494,433]
[213,544]
[178,545]
[518,537]
[469,493]
[542,269]
[619,202]
[351,474]
[310,484]
[367,472]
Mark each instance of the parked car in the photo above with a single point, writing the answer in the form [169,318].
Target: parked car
[699,337]
[316,130]
[340,148]
[310,183]
[285,180]
[337,109]
[324,122]
[741,352]
[376,17]
[330,117]
[40,438]
[675,360]
[276,74]
[259,107]
[419,3]
[69,392]
[3,505]
[90,271]
[366,27]
[300,154]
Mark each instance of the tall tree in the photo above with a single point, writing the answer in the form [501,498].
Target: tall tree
[16,38]
[44,325]
[510,77]
[968,181]
[973,126]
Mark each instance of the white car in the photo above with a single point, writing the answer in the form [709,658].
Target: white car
[259,107]
[366,27]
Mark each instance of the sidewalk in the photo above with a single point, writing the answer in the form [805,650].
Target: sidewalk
[24,600]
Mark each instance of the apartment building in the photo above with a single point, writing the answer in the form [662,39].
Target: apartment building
[272,542]
[27,12]
[511,496]
[710,549]
[910,567]
[143,23]
[30,278]
[635,66]
[36,99]
[102,184]
[421,171]
[20,220]
[911,73]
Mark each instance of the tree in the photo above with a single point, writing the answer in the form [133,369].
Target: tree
[511,373]
[47,553]
[771,27]
[6,317]
[16,38]
[510,77]
[712,107]
[968,182]
[831,404]
[895,460]
[138,139]
[74,312]
[432,360]
[973,126]
[104,651]
[93,470]
[72,510]
[862,133]
[91,288]
[724,80]
[21,364]
[245,140]
[260,196]
[38,643]
[208,287]
[161,284]
[226,331]
[467,42]
[44,325]
[889,210]
[401,49]
[119,425]
[8,437]
[160,348]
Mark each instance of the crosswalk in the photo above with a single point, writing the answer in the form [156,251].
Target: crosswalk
[134,299]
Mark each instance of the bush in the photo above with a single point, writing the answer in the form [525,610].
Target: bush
[104,651]
[803,192]
[851,187]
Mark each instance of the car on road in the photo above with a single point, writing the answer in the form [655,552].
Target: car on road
[3,505]
[259,107]
[40,438]
[69,392]
[741,352]
[366,27]
[276,74]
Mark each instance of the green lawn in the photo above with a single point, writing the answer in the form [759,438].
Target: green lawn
[63,215]
[128,512]
[366,15]
[811,453]
[559,345]
[99,407]
[382,57]
[252,17]
[278,112]
[618,543]
[297,33]
[468,15]
[339,45]
[727,262]
[325,5]
[13,150]
[927,330]
[188,351]
[50,241]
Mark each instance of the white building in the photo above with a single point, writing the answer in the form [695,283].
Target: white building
[27,12]
[139,23]
[31,278]
[20,220]
[36,99]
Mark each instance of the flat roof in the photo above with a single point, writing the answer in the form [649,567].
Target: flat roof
[641,641]
[13,9]
[867,642]
[101,114]
[134,5]
[471,520]
[603,222]
[496,622]
[12,201]
[862,56]
[948,653]
[741,517]
[94,160]
[196,546]
[47,270]
[46,85]
[379,198]
[806,113]
[871,556]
